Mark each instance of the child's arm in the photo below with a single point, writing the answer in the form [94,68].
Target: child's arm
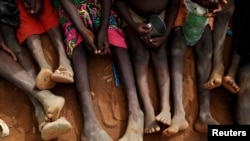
[142,29]
[105,9]
[102,37]
[123,9]
[6,49]
[88,36]
[171,14]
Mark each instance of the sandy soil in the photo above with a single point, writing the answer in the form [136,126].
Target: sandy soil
[109,102]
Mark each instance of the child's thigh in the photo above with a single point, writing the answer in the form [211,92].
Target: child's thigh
[178,43]
[204,46]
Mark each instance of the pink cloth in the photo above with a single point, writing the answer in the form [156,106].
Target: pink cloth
[117,38]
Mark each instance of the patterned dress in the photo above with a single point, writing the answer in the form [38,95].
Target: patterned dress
[90,13]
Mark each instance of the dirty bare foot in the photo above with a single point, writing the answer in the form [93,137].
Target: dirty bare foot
[214,81]
[151,125]
[134,131]
[51,130]
[229,83]
[202,123]
[93,132]
[52,105]
[62,75]
[179,123]
[43,80]
[164,117]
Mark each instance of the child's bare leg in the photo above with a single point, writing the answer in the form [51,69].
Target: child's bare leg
[178,49]
[135,123]
[64,72]
[203,54]
[243,104]
[14,73]
[229,81]
[49,129]
[140,59]
[48,112]
[161,71]
[221,21]
[53,129]
[43,79]
[52,104]
[22,57]
[92,129]
[12,43]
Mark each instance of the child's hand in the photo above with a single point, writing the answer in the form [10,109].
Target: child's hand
[223,1]
[89,40]
[33,7]
[143,29]
[6,49]
[154,42]
[217,9]
[102,42]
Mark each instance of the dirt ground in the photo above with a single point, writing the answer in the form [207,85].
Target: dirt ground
[109,102]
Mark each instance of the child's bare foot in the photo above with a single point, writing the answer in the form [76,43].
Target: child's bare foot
[202,123]
[214,82]
[229,83]
[43,80]
[134,131]
[51,130]
[151,125]
[164,117]
[52,105]
[93,132]
[179,123]
[62,75]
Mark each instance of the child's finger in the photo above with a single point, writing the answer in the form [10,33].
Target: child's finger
[13,55]
[9,51]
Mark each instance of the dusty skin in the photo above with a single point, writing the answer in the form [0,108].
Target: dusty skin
[179,124]
[53,105]
[18,113]
[215,81]
[229,84]
[221,22]
[62,75]
[43,80]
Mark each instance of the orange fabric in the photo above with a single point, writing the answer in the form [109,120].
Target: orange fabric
[30,25]
[180,19]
